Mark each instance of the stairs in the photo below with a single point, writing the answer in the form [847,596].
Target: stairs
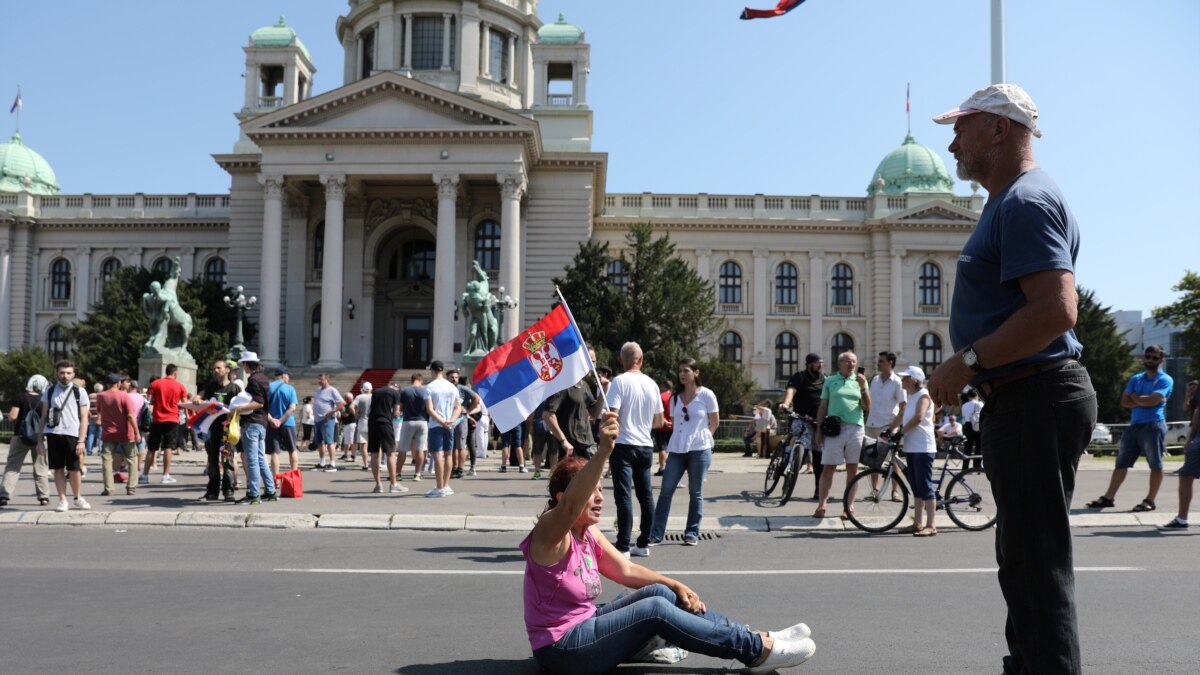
[378,377]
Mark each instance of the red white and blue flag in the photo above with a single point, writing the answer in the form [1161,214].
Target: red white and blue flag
[203,420]
[16,103]
[782,8]
[514,378]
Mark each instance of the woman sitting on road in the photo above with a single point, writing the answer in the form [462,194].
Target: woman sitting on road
[565,556]
[920,447]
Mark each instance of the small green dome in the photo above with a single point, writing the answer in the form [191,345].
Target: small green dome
[560,33]
[23,170]
[911,167]
[279,35]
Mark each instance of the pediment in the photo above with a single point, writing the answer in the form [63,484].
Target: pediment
[935,212]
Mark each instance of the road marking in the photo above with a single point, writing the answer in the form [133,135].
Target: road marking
[700,573]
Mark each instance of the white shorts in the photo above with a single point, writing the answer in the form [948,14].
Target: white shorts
[845,448]
[397,426]
[348,434]
[360,432]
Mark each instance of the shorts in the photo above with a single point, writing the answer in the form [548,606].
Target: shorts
[281,439]
[919,473]
[513,437]
[441,439]
[1191,459]
[460,434]
[414,435]
[360,432]
[845,448]
[1139,440]
[349,432]
[397,425]
[61,453]
[381,437]
[325,430]
[661,438]
[162,435]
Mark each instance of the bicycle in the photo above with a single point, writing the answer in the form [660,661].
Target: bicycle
[785,461]
[967,500]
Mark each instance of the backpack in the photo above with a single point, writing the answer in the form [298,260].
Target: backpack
[145,418]
[30,425]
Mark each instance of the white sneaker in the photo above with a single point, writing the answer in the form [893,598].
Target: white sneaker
[639,552]
[435,492]
[447,491]
[62,506]
[797,632]
[396,487]
[378,488]
[331,468]
[626,554]
[167,479]
[83,469]
[785,654]
[81,503]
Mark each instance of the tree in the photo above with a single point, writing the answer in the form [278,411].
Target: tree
[16,367]
[1185,313]
[1106,354]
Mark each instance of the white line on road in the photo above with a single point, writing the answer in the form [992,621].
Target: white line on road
[697,573]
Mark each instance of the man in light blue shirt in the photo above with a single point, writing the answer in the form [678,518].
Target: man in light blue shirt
[281,421]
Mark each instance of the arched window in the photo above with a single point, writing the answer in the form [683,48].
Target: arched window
[214,270]
[319,246]
[162,266]
[60,279]
[787,355]
[843,285]
[931,284]
[487,245]
[731,347]
[108,268]
[931,352]
[419,256]
[56,343]
[730,287]
[618,275]
[314,348]
[841,343]
[786,284]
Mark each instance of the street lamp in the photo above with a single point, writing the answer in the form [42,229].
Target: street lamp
[241,303]
[502,304]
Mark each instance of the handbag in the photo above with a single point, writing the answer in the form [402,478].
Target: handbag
[291,483]
[831,426]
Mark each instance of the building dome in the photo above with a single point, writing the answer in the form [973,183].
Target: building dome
[911,167]
[279,35]
[560,33]
[23,170]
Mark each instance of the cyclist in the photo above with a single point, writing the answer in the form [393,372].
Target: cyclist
[915,422]
[805,387]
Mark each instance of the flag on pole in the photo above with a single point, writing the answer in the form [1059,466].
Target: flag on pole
[203,420]
[908,98]
[782,8]
[16,102]
[545,359]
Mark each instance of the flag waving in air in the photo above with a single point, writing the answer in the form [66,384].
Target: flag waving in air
[782,8]
[545,359]
[16,103]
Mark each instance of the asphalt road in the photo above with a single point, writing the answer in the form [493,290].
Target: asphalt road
[102,600]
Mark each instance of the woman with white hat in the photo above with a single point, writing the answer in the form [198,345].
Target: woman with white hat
[915,421]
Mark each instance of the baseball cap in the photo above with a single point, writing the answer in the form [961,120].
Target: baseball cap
[915,373]
[281,370]
[366,387]
[812,356]
[113,378]
[436,366]
[248,357]
[1005,100]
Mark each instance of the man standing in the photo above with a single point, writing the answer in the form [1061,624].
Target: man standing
[568,416]
[1011,321]
[260,481]
[219,470]
[1146,395]
[804,388]
[469,401]
[844,396]
[64,413]
[662,433]
[1191,464]
[281,421]
[972,409]
[326,405]
[887,401]
[414,430]
[382,411]
[636,400]
[166,393]
[442,407]
[19,447]
[119,435]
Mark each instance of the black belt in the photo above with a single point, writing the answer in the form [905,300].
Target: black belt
[995,383]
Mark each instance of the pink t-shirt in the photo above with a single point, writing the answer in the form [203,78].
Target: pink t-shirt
[559,597]
[113,407]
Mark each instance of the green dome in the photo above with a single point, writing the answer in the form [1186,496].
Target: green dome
[911,167]
[279,35]
[560,33]
[23,170]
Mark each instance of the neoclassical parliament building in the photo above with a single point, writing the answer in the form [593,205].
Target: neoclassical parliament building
[461,132]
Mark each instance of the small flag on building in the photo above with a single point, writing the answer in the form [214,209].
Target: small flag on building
[16,102]
[782,8]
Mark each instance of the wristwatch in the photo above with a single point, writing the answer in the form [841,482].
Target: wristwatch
[970,358]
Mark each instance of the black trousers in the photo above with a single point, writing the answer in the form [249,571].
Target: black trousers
[220,474]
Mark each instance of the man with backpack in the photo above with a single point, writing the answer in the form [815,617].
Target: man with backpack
[64,414]
[24,441]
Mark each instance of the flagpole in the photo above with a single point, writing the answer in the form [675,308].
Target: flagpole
[603,396]
[998,74]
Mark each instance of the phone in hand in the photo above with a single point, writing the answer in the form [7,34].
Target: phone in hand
[862,370]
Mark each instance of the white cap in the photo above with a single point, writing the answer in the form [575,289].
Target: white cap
[250,357]
[366,387]
[915,373]
[1005,100]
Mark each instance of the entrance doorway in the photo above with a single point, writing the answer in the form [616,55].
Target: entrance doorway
[418,334]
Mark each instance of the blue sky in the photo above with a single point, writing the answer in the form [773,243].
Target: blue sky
[126,96]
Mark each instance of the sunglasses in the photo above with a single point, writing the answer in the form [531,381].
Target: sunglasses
[686,418]
[1152,358]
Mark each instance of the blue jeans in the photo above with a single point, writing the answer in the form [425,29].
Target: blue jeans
[254,446]
[631,472]
[696,464]
[1033,432]
[620,629]
[1145,439]
[325,432]
[93,437]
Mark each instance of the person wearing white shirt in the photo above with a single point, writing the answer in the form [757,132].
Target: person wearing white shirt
[920,448]
[639,408]
[887,401]
[695,414]
[443,408]
[971,410]
[64,411]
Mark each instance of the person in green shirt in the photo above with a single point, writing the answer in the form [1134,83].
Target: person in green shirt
[845,396]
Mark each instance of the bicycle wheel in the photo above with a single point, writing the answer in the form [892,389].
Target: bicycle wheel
[774,470]
[791,474]
[876,512]
[969,501]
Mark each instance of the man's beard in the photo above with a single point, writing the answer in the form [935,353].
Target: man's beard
[979,166]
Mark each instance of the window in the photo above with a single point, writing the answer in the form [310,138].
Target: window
[618,275]
[787,355]
[60,279]
[419,256]
[214,270]
[314,349]
[56,343]
[841,343]
[786,285]
[498,55]
[427,42]
[368,52]
[931,352]
[731,347]
[931,284]
[108,268]
[162,266]
[730,288]
[393,266]
[487,245]
[319,246]
[843,285]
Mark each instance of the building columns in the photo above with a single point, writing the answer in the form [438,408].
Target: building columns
[486,51]
[5,294]
[406,65]
[83,286]
[444,266]
[816,303]
[512,188]
[897,315]
[446,32]
[270,286]
[762,301]
[512,60]
[385,54]
[331,273]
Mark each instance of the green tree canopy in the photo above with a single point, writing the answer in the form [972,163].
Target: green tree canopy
[1185,313]
[1106,354]
[16,367]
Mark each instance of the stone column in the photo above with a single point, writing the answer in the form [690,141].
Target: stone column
[331,274]
[816,303]
[5,293]
[704,263]
[291,84]
[83,281]
[761,300]
[512,60]
[446,40]
[512,187]
[469,32]
[896,341]
[445,265]
[406,65]
[270,286]
[385,55]
[187,262]
[485,51]
[367,307]
[135,257]
[350,63]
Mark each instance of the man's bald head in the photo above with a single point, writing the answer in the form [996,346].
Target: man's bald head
[631,355]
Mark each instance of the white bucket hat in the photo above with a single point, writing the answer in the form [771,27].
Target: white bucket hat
[1005,100]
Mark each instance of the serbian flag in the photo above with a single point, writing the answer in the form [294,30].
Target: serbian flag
[782,8]
[16,103]
[203,420]
[517,376]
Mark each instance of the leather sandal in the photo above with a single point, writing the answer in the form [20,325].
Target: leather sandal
[1144,505]
[1101,502]
[819,513]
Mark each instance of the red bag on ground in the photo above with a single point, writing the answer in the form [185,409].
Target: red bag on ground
[291,483]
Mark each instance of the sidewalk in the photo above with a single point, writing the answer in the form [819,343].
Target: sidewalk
[494,501]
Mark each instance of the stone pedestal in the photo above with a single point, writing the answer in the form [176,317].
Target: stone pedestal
[469,361]
[155,365]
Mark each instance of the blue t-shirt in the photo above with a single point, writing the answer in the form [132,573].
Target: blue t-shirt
[1140,385]
[280,397]
[413,399]
[466,397]
[1025,228]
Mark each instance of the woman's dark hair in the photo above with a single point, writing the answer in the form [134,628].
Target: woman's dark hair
[561,476]
[690,363]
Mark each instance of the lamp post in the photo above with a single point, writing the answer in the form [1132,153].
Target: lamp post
[502,304]
[241,303]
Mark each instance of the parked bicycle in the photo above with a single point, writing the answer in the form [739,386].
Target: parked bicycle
[967,499]
[786,460]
